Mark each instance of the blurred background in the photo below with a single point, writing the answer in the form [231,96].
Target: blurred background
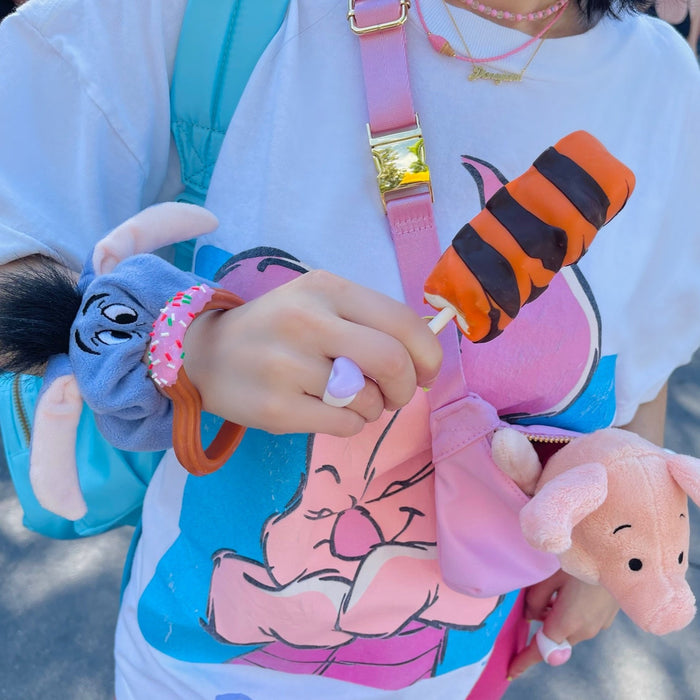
[59,602]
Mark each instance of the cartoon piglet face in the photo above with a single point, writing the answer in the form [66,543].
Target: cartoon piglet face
[349,507]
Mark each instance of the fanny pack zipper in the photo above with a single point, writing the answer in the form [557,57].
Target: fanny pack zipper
[20,410]
[547,444]
[549,439]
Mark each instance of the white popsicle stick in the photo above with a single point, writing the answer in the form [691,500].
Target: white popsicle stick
[441,319]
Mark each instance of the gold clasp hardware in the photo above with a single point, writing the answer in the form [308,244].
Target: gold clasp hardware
[399,157]
[405,5]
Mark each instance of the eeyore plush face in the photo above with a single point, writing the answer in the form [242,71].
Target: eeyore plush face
[121,323]
[121,291]
[110,316]
[109,337]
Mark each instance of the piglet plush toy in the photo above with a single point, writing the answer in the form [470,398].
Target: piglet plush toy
[613,507]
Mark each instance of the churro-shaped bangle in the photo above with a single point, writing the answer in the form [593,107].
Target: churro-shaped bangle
[166,369]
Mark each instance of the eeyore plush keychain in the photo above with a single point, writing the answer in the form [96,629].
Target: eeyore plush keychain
[126,306]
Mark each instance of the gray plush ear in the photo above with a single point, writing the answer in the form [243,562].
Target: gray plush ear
[53,471]
[150,229]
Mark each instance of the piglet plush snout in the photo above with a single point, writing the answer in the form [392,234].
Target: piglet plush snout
[661,615]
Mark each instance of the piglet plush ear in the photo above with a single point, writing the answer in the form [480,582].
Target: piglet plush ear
[150,229]
[548,519]
[514,454]
[686,472]
[53,472]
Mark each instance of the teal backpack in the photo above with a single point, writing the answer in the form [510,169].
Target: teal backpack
[219,45]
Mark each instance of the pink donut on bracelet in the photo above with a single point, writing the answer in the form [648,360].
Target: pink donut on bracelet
[165,353]
[166,369]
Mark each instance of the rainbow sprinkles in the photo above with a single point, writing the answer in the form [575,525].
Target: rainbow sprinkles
[166,352]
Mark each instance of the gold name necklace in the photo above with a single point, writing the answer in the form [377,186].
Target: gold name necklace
[480,68]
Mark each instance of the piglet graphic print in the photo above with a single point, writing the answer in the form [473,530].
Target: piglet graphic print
[311,554]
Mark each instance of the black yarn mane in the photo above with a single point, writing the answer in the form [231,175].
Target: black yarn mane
[38,304]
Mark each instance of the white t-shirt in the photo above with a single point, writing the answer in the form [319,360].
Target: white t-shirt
[309,594]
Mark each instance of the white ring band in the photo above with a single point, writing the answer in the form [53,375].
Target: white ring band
[554,654]
[336,402]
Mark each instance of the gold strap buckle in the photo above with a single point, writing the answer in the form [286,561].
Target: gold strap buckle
[403,16]
[399,157]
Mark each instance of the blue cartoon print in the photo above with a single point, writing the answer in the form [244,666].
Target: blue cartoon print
[320,556]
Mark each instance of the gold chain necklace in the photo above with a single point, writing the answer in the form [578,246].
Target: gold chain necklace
[480,68]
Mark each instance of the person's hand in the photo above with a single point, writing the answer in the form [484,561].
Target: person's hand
[265,364]
[569,609]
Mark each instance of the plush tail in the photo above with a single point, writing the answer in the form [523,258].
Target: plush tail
[38,304]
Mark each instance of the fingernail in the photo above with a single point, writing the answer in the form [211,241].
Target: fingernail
[559,657]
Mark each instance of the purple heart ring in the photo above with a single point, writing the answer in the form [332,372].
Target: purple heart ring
[345,382]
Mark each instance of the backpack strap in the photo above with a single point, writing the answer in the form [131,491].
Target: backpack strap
[220,43]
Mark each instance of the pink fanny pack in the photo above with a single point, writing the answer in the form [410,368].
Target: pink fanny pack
[481,547]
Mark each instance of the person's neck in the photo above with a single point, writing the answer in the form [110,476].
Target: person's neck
[572,21]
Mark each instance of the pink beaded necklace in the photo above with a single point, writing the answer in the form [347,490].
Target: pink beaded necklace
[441,45]
[514,16]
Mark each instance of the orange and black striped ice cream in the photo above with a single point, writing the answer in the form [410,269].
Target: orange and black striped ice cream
[540,222]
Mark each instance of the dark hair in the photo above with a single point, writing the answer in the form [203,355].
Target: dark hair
[6,6]
[595,9]
[38,304]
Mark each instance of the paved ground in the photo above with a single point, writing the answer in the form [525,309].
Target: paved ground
[58,604]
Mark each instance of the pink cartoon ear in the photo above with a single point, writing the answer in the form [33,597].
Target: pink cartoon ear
[53,472]
[548,519]
[686,472]
[150,229]
[672,11]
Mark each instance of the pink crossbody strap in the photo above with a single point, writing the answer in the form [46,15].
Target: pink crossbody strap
[383,51]
[413,231]
[393,124]
[470,562]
